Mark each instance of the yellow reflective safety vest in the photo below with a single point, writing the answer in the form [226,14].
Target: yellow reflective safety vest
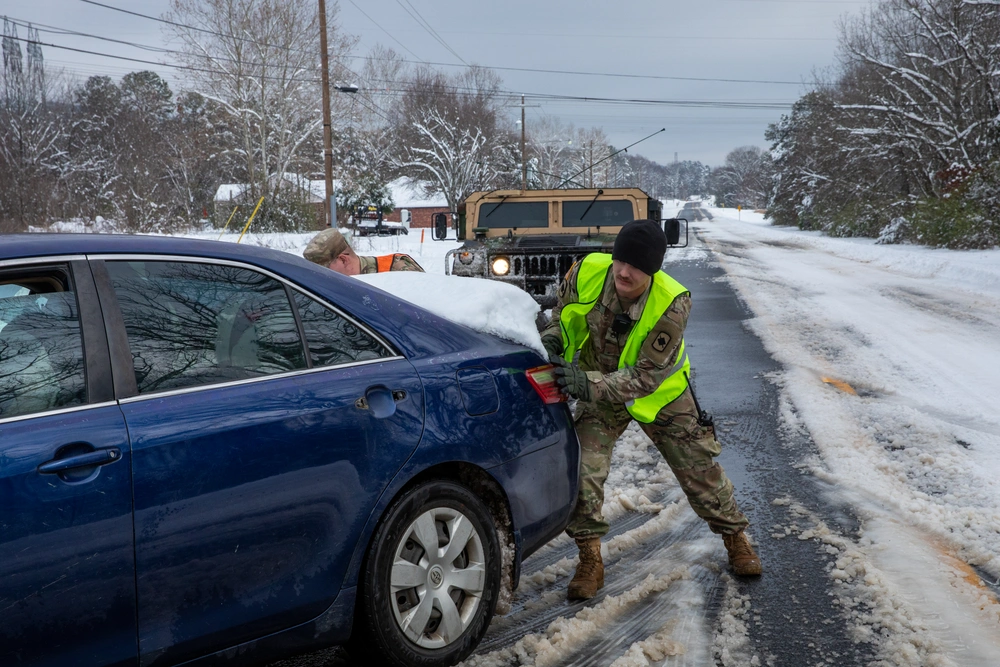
[575,333]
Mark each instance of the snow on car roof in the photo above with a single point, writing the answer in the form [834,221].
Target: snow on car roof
[484,305]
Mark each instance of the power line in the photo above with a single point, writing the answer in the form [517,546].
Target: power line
[456,89]
[385,31]
[56,30]
[152,18]
[423,23]
[629,76]
[368,104]
[498,68]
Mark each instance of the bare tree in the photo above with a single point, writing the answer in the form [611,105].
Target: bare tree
[590,146]
[452,135]
[259,60]
[366,148]
[550,148]
[32,137]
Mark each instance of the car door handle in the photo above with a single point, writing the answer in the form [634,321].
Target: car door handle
[98,457]
[397,395]
[380,401]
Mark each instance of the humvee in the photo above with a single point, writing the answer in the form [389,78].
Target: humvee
[531,238]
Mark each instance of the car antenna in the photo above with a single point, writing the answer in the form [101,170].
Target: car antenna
[594,164]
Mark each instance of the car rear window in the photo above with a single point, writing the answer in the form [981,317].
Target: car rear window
[332,338]
[41,347]
[191,324]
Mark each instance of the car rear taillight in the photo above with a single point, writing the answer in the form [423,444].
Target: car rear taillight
[544,381]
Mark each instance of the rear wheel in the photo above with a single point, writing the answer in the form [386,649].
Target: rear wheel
[431,579]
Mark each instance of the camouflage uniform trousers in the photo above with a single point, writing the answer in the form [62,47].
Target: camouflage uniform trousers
[688,448]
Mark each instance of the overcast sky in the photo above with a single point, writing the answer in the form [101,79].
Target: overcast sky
[745,40]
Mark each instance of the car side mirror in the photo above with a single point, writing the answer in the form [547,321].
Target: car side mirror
[672,229]
[440,226]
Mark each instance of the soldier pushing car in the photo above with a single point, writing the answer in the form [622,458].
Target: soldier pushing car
[329,248]
[626,319]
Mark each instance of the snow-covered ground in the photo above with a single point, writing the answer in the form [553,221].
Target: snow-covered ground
[891,365]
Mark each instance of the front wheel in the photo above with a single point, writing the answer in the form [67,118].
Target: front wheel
[430,581]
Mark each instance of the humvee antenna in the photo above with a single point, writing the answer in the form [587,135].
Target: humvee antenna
[590,206]
[594,164]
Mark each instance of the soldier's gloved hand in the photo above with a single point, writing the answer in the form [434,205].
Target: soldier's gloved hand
[553,346]
[572,380]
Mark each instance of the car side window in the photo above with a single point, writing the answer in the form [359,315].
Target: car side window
[333,339]
[191,324]
[41,347]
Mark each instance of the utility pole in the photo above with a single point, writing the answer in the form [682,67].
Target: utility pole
[328,215]
[524,162]
[590,161]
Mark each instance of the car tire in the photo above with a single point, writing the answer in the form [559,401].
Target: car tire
[430,581]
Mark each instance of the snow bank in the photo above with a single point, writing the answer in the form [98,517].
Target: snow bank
[484,305]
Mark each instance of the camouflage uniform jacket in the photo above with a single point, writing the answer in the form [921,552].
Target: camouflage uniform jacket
[600,354]
[399,263]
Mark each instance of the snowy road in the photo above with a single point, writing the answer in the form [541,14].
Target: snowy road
[856,389]
[889,363]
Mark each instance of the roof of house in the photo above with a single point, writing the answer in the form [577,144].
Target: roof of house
[316,188]
[410,193]
[406,192]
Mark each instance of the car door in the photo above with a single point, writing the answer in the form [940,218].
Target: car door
[257,458]
[67,576]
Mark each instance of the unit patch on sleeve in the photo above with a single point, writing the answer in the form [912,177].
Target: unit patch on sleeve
[661,341]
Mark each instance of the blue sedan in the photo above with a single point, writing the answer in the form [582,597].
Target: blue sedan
[212,452]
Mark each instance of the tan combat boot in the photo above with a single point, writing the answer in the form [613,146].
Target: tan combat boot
[743,559]
[589,577]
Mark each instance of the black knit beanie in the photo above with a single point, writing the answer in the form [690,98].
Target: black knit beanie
[642,244]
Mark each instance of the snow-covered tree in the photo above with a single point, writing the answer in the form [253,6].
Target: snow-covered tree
[929,93]
[745,178]
[196,156]
[903,143]
[451,133]
[549,147]
[259,60]
[92,170]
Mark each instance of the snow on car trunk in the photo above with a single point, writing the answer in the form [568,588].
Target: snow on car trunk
[490,307]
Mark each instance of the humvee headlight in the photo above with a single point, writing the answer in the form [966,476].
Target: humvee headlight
[501,266]
[465,257]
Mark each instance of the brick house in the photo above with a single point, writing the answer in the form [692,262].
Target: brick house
[409,195]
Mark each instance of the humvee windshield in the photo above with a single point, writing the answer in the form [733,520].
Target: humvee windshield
[514,214]
[579,211]
[600,214]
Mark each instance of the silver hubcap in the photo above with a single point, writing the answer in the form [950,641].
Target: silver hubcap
[438,576]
